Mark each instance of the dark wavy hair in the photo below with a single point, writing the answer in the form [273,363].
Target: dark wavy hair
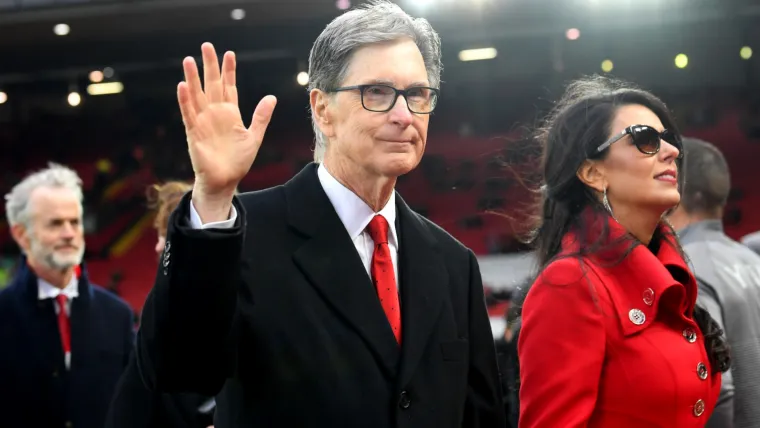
[579,123]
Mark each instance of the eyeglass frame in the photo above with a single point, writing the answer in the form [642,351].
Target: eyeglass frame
[398,93]
[630,130]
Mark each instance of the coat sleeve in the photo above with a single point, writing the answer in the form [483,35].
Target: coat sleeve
[186,341]
[484,407]
[561,348]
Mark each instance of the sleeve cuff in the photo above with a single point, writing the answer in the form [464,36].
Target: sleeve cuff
[196,223]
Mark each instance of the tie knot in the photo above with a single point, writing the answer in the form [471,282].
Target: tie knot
[378,229]
[61,299]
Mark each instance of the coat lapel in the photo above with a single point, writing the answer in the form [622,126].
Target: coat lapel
[424,283]
[329,260]
[39,318]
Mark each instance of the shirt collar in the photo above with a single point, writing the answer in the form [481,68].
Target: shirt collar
[354,213]
[49,291]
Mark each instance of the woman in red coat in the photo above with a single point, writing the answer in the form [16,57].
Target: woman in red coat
[611,336]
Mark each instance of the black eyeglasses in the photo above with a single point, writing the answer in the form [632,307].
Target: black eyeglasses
[382,98]
[646,139]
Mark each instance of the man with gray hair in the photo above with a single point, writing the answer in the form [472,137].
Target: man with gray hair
[324,302]
[64,341]
[728,275]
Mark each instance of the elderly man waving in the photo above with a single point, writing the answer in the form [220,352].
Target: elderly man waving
[325,302]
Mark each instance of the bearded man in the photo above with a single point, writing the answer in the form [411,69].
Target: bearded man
[63,342]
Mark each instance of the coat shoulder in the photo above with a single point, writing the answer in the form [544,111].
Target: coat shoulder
[111,303]
[448,242]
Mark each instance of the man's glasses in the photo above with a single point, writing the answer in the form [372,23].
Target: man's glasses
[382,98]
[646,139]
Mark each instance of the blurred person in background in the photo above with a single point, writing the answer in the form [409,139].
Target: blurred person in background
[326,301]
[728,275]
[610,335]
[134,405]
[752,241]
[65,342]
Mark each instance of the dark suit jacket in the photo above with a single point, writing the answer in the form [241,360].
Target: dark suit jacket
[135,406]
[280,315]
[36,390]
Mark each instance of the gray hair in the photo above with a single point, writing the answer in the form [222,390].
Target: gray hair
[375,22]
[56,176]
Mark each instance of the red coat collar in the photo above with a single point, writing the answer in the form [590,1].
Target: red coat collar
[638,280]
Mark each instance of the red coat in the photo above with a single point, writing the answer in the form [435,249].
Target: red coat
[614,344]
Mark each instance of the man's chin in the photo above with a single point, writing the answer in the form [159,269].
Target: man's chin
[397,166]
[66,262]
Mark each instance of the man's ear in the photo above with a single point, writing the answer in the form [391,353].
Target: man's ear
[20,235]
[320,103]
[591,173]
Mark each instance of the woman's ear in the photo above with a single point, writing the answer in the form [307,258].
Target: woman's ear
[591,173]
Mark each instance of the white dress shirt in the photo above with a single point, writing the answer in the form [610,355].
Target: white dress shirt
[354,213]
[45,290]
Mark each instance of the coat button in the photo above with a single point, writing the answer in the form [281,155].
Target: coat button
[55,373]
[69,424]
[403,400]
[690,335]
[699,408]
[702,371]
[636,316]
[648,297]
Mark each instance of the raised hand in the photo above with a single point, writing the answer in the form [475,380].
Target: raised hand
[221,148]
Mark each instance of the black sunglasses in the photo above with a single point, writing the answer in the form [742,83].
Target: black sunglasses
[646,139]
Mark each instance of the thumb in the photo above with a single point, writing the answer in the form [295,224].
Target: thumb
[261,117]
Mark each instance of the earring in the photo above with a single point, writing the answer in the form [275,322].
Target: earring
[606,203]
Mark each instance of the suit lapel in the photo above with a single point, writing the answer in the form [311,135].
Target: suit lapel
[39,319]
[424,283]
[329,260]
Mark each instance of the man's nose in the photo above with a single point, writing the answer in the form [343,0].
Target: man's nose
[400,114]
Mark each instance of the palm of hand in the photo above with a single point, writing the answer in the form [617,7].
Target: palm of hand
[221,148]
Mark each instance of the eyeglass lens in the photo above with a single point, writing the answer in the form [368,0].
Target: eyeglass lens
[382,98]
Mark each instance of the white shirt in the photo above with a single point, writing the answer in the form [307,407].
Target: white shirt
[354,213]
[45,290]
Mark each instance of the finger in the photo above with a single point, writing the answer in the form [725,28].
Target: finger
[197,97]
[186,105]
[229,64]
[212,80]
[261,117]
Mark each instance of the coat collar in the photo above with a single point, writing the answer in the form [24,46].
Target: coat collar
[329,260]
[640,279]
[25,284]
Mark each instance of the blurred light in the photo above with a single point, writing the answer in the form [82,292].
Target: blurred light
[96,76]
[682,60]
[107,88]
[3,97]
[573,34]
[108,72]
[607,65]
[477,54]
[343,4]
[61,29]
[74,99]
[746,52]
[302,78]
[237,14]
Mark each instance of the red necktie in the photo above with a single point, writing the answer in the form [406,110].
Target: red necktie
[383,274]
[64,328]
[63,321]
